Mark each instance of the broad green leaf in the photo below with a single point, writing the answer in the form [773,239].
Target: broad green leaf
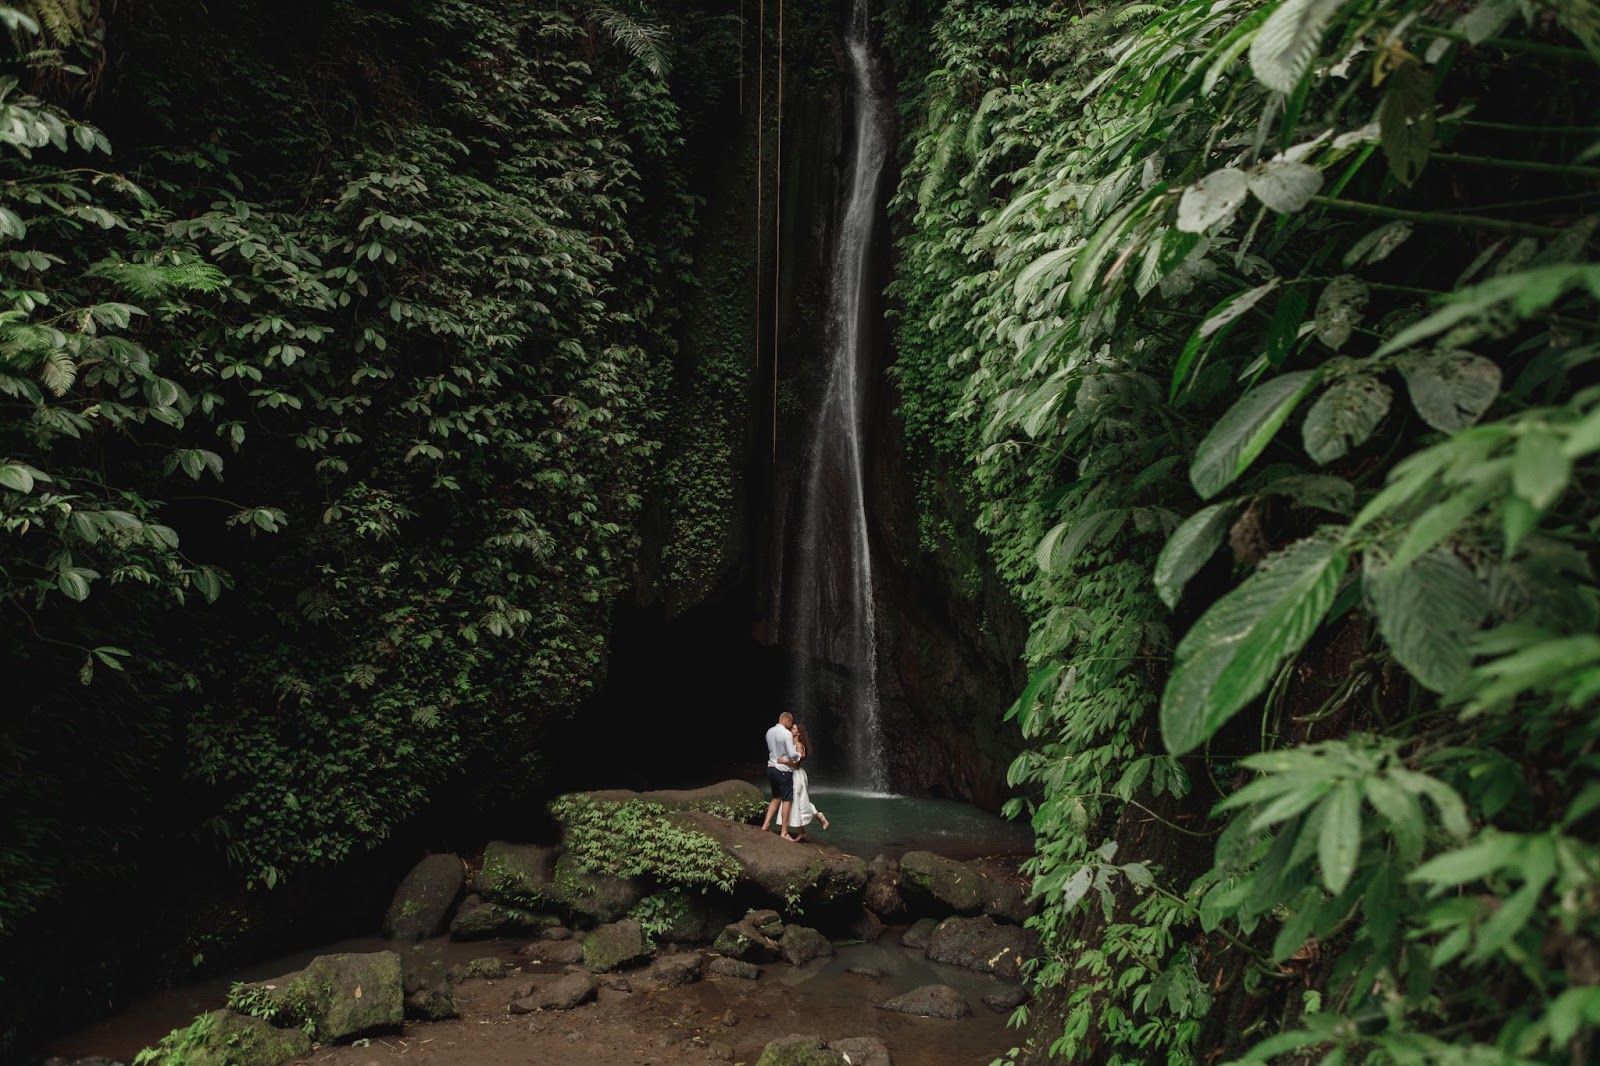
[1285,186]
[1339,309]
[1233,307]
[1403,813]
[73,584]
[1345,416]
[1189,548]
[1287,42]
[1250,424]
[1539,468]
[1451,389]
[1491,852]
[1426,612]
[13,476]
[1068,540]
[1339,843]
[1212,200]
[1406,117]
[1231,653]
[1376,246]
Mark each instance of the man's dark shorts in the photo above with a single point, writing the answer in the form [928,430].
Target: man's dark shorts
[782,783]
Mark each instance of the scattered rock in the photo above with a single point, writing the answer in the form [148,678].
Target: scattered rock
[421,905]
[431,1005]
[1007,999]
[932,884]
[614,982]
[615,945]
[983,944]
[882,896]
[592,898]
[671,971]
[867,971]
[800,944]
[931,1001]
[717,1051]
[799,1051]
[729,1019]
[478,919]
[554,952]
[768,922]
[917,936]
[743,940]
[229,1039]
[726,967]
[488,968]
[518,875]
[863,1051]
[428,996]
[335,997]
[557,932]
[866,927]
[564,993]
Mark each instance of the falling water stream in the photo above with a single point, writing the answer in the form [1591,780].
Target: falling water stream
[831,628]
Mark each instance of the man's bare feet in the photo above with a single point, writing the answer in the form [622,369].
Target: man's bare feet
[766,827]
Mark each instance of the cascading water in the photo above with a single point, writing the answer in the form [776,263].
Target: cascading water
[831,628]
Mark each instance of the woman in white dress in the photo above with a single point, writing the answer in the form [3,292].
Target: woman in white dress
[802,810]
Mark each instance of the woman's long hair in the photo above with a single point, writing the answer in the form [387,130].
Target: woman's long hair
[804,738]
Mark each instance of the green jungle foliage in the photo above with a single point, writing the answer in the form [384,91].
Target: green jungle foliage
[332,374]
[1265,336]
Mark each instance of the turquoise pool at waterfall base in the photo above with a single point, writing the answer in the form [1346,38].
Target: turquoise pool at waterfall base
[869,824]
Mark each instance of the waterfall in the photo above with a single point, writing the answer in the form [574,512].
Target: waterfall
[829,605]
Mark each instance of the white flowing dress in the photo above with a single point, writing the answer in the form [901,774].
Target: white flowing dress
[801,809]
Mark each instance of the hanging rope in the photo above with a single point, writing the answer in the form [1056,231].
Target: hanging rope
[777,241]
[761,94]
[741,57]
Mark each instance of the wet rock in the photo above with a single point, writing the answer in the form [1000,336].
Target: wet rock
[431,1005]
[615,945]
[564,993]
[517,875]
[692,919]
[727,967]
[335,997]
[1006,999]
[478,919]
[224,1038]
[554,952]
[933,885]
[863,1051]
[1005,893]
[744,940]
[729,1019]
[799,1051]
[488,968]
[867,971]
[800,944]
[931,1001]
[866,927]
[592,898]
[917,936]
[613,982]
[984,945]
[882,896]
[672,971]
[717,1051]
[421,905]
[557,932]
[817,876]
[768,922]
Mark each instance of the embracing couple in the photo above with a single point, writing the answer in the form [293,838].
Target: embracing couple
[788,744]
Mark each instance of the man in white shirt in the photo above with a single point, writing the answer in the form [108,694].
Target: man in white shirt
[781,759]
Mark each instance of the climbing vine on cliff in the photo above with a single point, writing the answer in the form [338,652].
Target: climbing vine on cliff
[1314,281]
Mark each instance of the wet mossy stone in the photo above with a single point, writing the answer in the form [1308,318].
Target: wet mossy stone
[862,1050]
[800,944]
[227,1038]
[432,1005]
[335,998]
[932,884]
[800,1051]
[421,905]
[613,946]
[487,968]
[743,940]
[930,1001]
[919,933]
[517,875]
[983,944]
[478,919]
[593,898]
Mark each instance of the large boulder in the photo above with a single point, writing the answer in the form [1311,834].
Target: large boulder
[689,918]
[519,875]
[226,1038]
[613,946]
[593,898]
[1006,892]
[983,944]
[739,800]
[421,905]
[334,998]
[673,971]
[815,876]
[930,1001]
[800,1051]
[934,885]
[478,919]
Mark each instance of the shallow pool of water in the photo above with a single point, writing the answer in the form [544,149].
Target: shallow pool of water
[876,823]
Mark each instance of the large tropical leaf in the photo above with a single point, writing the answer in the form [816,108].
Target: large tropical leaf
[1426,611]
[1345,416]
[1241,434]
[1230,654]
[1189,548]
[1283,49]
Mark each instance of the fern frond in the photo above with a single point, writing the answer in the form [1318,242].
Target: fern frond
[642,40]
[63,20]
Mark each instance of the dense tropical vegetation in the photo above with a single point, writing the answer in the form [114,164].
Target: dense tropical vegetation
[1260,338]
[349,385]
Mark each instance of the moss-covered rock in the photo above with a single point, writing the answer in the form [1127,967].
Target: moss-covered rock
[432,1005]
[226,1038]
[745,940]
[478,919]
[814,876]
[932,884]
[800,1051]
[334,998]
[487,968]
[613,946]
[517,875]
[421,905]
[800,944]
[593,898]
[919,933]
[738,800]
